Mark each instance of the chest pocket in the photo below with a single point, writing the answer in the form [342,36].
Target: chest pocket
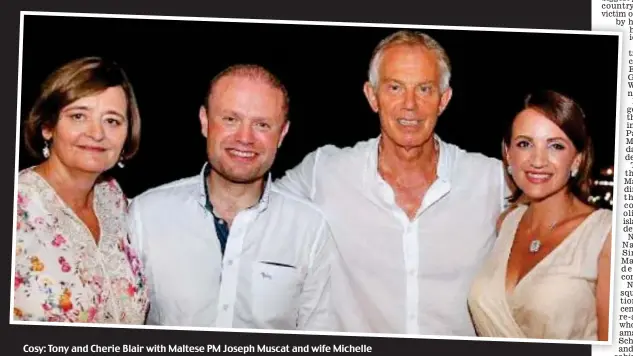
[275,291]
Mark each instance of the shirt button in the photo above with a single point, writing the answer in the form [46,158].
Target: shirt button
[230,263]
[411,317]
[225,307]
[411,273]
[221,222]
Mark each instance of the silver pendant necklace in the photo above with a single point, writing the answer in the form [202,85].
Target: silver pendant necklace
[535,244]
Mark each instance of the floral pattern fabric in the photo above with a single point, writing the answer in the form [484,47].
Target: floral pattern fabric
[61,273]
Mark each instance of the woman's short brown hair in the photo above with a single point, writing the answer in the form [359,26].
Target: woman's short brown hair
[570,118]
[74,80]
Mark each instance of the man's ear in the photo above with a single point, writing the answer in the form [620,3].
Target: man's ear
[445,99]
[204,120]
[368,89]
[284,132]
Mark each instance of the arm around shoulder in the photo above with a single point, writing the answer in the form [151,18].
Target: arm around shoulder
[300,180]
[137,242]
[503,215]
[316,312]
[135,227]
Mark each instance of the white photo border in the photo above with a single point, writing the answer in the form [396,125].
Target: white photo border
[616,175]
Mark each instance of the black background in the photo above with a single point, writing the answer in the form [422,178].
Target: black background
[324,68]
[564,14]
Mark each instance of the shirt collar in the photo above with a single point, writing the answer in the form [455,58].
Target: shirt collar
[203,197]
[444,161]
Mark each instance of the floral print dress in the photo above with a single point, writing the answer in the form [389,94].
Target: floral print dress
[61,273]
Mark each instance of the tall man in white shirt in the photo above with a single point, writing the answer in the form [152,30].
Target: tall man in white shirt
[412,216]
[226,248]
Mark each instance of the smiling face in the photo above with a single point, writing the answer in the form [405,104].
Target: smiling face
[90,132]
[540,155]
[408,97]
[244,126]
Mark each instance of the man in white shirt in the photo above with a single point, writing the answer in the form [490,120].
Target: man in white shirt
[412,216]
[226,248]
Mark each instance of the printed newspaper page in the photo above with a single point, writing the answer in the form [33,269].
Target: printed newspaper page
[617,15]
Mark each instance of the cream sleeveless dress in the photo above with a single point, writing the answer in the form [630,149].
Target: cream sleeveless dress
[556,299]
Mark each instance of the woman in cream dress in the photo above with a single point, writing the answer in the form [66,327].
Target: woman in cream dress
[547,276]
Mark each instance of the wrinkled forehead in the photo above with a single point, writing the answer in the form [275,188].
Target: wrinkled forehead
[413,58]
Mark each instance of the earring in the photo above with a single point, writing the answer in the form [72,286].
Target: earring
[120,162]
[46,151]
[574,172]
[510,170]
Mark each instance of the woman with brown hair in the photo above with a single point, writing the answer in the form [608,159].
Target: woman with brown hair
[73,261]
[548,274]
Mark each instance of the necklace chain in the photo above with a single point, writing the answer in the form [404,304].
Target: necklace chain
[535,244]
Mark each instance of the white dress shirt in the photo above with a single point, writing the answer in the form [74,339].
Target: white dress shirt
[274,274]
[395,275]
